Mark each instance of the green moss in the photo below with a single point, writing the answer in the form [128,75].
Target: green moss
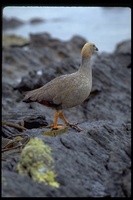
[36,161]
[56,132]
[9,40]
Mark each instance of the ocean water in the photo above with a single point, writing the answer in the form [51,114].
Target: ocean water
[104,26]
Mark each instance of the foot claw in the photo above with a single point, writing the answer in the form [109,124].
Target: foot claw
[74,126]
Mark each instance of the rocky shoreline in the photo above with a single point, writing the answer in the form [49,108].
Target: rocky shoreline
[93,163]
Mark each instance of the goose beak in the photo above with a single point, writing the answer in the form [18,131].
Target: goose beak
[96,49]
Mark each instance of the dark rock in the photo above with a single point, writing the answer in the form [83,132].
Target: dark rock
[95,162]
[9,131]
[124,47]
[35,122]
[88,159]
[36,21]
[11,23]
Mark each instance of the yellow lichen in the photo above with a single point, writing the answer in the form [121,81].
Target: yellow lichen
[50,176]
[36,161]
